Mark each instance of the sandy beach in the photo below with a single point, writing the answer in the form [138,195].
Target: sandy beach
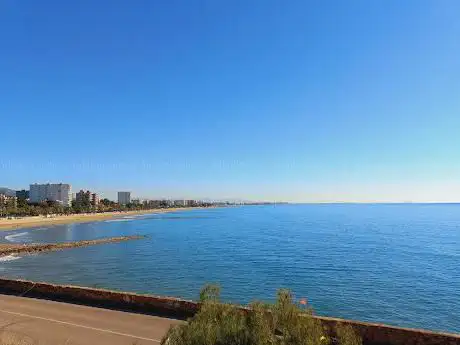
[30,222]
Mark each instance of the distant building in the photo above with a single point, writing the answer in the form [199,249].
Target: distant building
[152,203]
[59,192]
[22,194]
[95,199]
[191,203]
[180,203]
[8,201]
[86,199]
[163,203]
[124,198]
[83,198]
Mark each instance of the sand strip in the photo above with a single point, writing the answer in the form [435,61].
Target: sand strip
[30,222]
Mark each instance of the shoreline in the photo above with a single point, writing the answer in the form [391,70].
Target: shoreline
[37,221]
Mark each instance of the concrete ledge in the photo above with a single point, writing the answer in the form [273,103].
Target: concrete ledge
[372,333]
[381,334]
[146,304]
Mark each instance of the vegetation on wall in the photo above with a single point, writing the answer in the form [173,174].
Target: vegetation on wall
[282,323]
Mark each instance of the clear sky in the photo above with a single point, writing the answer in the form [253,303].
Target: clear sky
[250,99]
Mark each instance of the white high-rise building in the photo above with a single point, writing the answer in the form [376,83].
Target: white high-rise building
[180,203]
[59,192]
[124,198]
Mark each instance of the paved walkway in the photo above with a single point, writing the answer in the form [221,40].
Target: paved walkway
[27,321]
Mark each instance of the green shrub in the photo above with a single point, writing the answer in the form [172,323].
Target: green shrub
[346,335]
[282,323]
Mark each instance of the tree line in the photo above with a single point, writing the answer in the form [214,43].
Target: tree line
[24,209]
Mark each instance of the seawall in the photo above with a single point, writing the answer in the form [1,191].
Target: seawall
[372,333]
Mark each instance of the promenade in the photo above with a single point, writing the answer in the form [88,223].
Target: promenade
[40,322]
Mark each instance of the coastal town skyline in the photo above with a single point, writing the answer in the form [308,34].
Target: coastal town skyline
[66,195]
[135,195]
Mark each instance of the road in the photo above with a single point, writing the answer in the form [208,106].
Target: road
[31,321]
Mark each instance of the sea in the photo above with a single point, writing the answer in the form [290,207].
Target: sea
[391,263]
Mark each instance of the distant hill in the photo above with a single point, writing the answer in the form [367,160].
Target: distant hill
[7,191]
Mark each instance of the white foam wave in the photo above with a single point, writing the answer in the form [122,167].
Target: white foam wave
[9,258]
[118,220]
[16,237]
[126,218]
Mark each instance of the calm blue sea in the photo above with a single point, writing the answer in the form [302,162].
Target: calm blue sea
[397,264]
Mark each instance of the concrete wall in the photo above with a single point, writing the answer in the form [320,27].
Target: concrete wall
[380,334]
[154,305]
[372,334]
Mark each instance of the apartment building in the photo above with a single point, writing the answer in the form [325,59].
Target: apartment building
[180,203]
[59,192]
[124,198]
[87,199]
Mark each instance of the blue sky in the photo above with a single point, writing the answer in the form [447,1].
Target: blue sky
[276,100]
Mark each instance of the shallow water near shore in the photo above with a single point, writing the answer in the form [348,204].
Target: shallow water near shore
[397,264]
